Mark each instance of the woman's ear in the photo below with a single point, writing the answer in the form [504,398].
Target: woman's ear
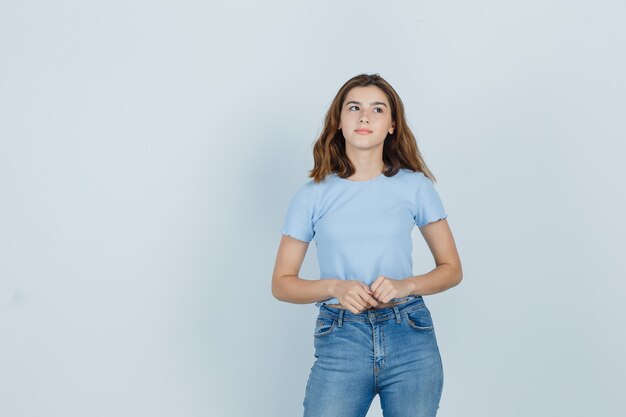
[393,126]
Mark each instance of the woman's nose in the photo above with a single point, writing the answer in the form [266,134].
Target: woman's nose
[364,118]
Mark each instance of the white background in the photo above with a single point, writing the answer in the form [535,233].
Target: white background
[149,151]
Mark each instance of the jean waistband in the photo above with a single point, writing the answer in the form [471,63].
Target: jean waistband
[393,312]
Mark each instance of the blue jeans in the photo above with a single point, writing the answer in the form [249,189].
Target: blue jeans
[391,352]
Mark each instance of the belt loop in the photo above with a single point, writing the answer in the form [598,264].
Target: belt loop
[397,311]
[340,321]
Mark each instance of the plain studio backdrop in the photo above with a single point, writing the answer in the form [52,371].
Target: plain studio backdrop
[149,151]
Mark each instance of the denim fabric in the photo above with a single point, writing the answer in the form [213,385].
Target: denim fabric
[391,352]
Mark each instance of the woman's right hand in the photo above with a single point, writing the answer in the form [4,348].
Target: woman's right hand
[354,295]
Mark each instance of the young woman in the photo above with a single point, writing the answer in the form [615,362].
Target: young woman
[369,188]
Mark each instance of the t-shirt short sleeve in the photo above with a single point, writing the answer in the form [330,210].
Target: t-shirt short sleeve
[429,207]
[298,222]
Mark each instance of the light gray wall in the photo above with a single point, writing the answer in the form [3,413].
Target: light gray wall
[149,151]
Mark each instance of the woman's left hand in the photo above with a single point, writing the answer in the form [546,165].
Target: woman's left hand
[385,288]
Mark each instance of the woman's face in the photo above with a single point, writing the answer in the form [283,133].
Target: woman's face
[365,118]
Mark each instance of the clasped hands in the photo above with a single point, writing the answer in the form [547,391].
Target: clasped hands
[356,296]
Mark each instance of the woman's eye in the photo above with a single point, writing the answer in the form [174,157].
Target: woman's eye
[378,110]
[353,107]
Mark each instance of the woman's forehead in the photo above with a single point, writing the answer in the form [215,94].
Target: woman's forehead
[366,95]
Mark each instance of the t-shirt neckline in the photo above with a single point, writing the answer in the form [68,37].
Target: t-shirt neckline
[345,180]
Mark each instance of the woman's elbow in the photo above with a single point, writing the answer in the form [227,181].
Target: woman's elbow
[275,291]
[278,288]
[458,276]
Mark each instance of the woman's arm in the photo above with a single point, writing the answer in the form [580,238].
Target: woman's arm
[448,272]
[288,287]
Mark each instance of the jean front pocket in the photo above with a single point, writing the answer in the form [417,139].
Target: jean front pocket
[324,326]
[420,319]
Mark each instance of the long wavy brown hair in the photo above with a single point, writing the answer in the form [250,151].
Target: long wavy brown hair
[399,149]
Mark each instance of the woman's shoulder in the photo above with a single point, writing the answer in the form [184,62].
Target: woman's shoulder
[312,188]
[412,177]
[328,180]
[411,173]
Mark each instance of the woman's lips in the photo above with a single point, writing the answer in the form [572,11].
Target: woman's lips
[363,131]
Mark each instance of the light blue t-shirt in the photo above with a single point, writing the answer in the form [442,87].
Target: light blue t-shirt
[362,229]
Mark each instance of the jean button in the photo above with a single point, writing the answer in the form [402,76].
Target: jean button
[372,315]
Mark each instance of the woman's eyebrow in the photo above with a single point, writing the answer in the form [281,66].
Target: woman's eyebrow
[374,103]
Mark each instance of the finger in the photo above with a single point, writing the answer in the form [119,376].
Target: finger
[357,303]
[369,299]
[379,291]
[375,284]
[356,308]
[387,295]
[359,294]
